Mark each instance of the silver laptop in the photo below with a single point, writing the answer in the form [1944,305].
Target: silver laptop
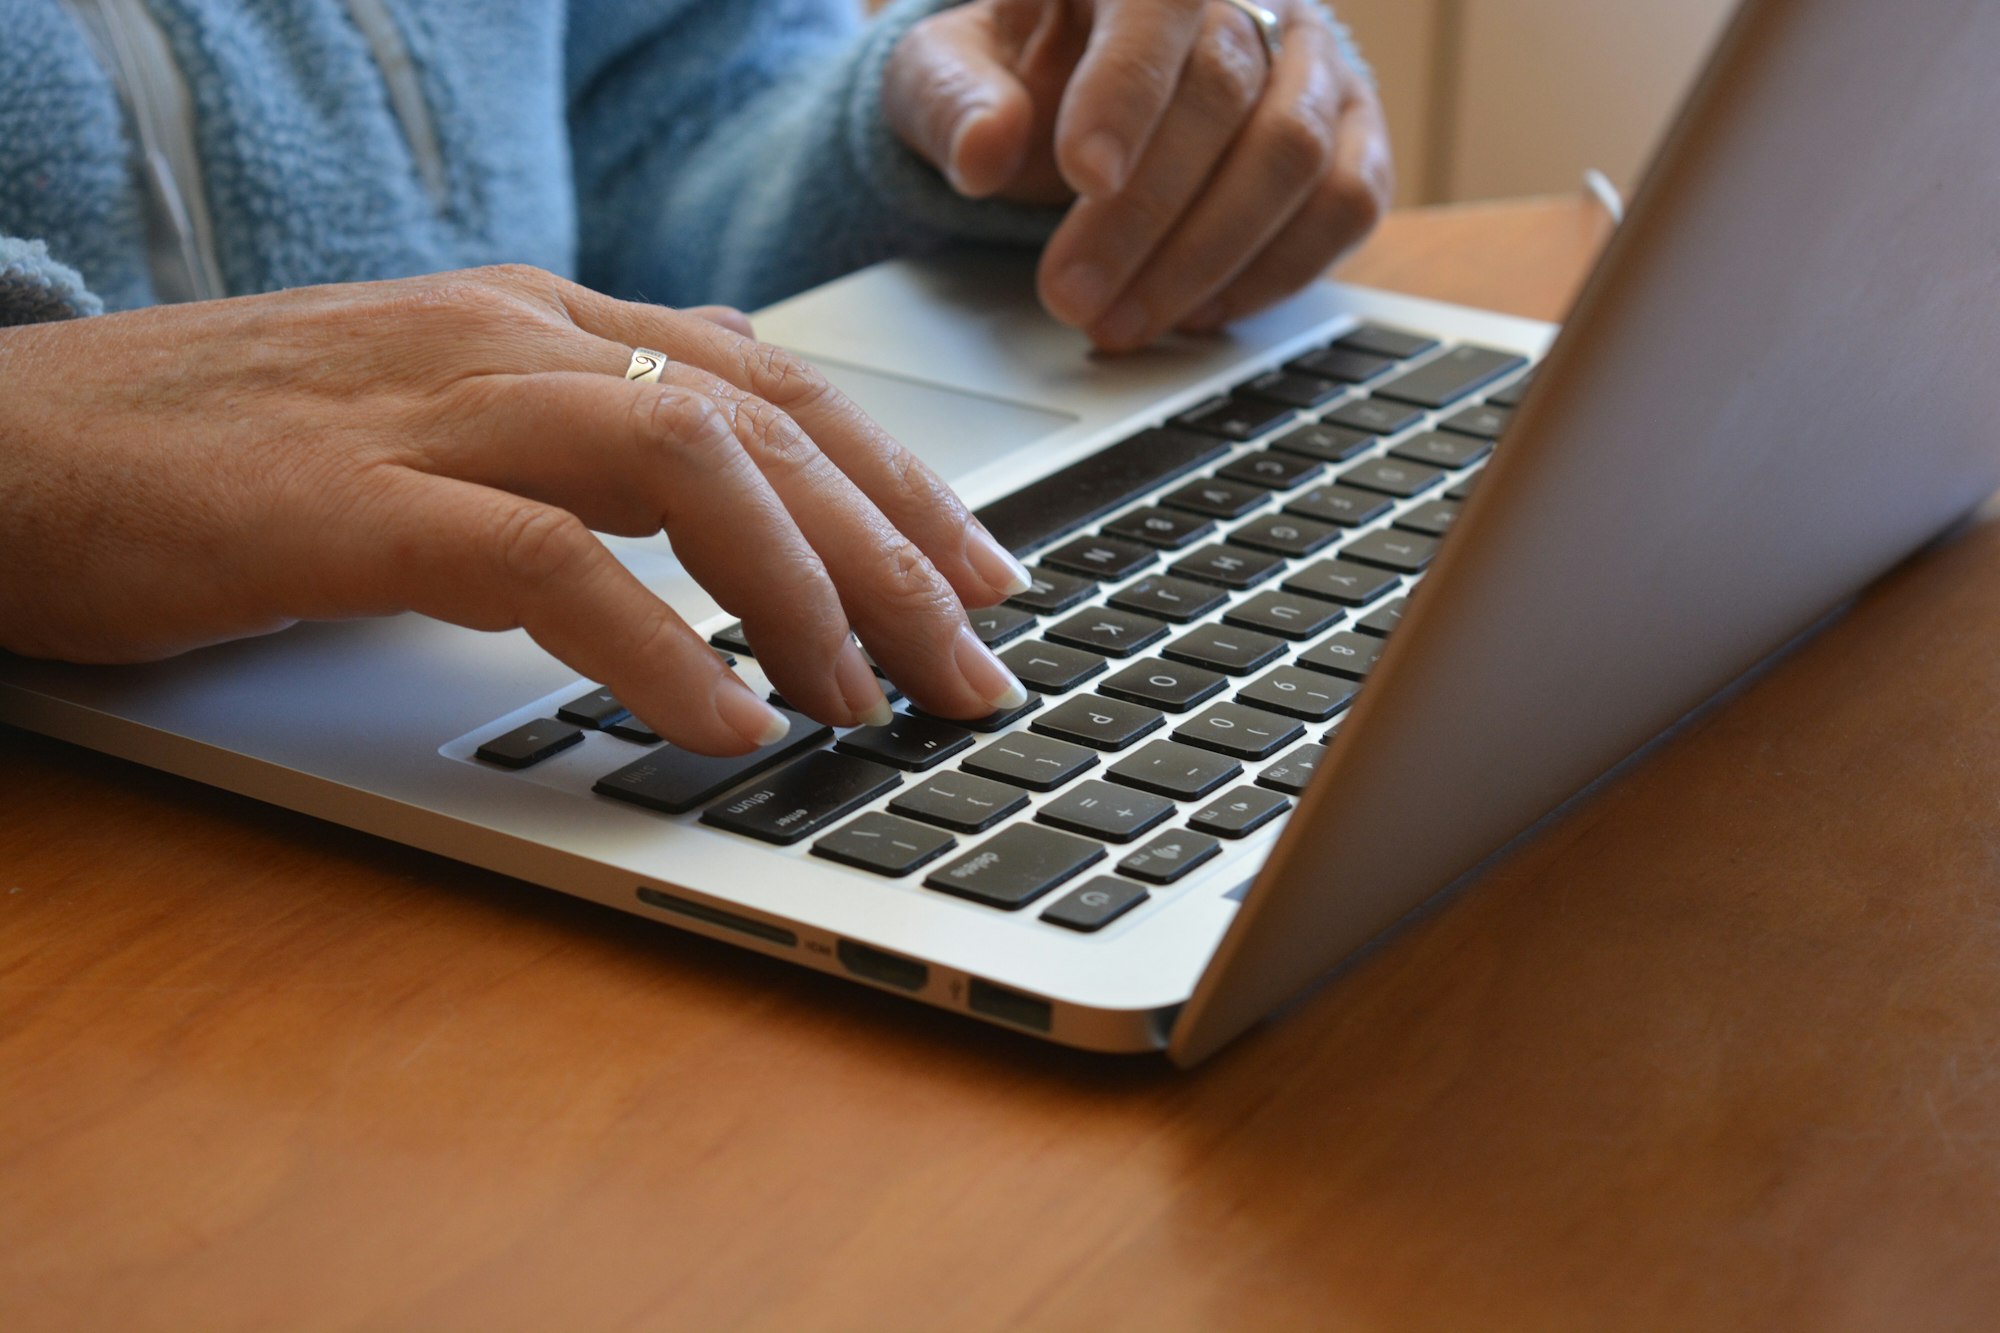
[1308,646]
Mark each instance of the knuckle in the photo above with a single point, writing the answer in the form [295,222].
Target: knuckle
[535,543]
[772,438]
[1298,144]
[1356,201]
[1224,77]
[674,417]
[783,379]
[1140,78]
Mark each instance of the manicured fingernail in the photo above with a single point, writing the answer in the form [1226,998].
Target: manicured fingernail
[1081,292]
[1124,326]
[986,674]
[752,719]
[994,563]
[859,688]
[1102,158]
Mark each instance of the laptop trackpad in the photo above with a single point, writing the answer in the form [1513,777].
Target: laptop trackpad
[954,431]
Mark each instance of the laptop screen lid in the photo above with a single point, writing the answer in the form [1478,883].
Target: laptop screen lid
[1778,383]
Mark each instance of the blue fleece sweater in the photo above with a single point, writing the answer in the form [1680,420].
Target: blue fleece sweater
[674,150]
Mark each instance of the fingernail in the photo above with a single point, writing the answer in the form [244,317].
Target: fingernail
[859,688]
[986,674]
[994,563]
[1082,291]
[1102,158]
[1124,326]
[752,719]
[953,171]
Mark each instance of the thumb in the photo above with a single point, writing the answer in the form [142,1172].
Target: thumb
[949,93]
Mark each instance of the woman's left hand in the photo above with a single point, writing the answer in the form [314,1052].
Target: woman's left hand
[1208,180]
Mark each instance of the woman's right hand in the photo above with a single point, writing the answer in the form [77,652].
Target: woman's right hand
[182,475]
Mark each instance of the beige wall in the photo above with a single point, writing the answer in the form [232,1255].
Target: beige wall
[1507,97]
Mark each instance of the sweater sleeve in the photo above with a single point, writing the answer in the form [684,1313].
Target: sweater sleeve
[35,288]
[738,153]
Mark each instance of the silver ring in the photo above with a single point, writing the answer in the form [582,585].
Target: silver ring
[646,365]
[1268,28]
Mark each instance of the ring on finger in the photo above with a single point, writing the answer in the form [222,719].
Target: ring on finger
[1268,29]
[646,365]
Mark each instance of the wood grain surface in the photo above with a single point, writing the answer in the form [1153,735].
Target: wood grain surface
[1717,1051]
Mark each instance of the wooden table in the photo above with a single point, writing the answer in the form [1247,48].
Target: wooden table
[1717,1051]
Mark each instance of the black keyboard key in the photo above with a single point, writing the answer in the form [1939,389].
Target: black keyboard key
[1169,857]
[1217,498]
[1231,567]
[1379,340]
[1160,527]
[1053,591]
[1339,504]
[1450,376]
[992,721]
[1442,449]
[1103,810]
[730,639]
[1172,599]
[1433,519]
[1291,388]
[1244,733]
[1510,395]
[1327,443]
[1157,683]
[914,743]
[1374,416]
[1282,534]
[1092,487]
[1039,763]
[1384,619]
[1344,654]
[996,625]
[1484,420]
[1050,667]
[960,801]
[1225,648]
[1463,490]
[1343,365]
[1015,866]
[1100,723]
[1278,471]
[1339,581]
[1108,630]
[884,844]
[1309,695]
[1293,770]
[1101,557]
[1392,476]
[1283,614]
[802,797]
[675,780]
[1171,769]
[1234,418]
[592,710]
[530,743]
[1404,552]
[629,728]
[1238,812]
[1095,905]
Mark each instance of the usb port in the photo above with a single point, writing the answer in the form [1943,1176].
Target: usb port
[983,997]
[888,968]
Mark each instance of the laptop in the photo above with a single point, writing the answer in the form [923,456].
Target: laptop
[1327,609]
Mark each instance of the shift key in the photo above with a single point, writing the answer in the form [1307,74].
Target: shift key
[674,780]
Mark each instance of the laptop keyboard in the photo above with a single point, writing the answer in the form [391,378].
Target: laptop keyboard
[1209,597]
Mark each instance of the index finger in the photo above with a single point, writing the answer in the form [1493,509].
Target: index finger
[1121,88]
